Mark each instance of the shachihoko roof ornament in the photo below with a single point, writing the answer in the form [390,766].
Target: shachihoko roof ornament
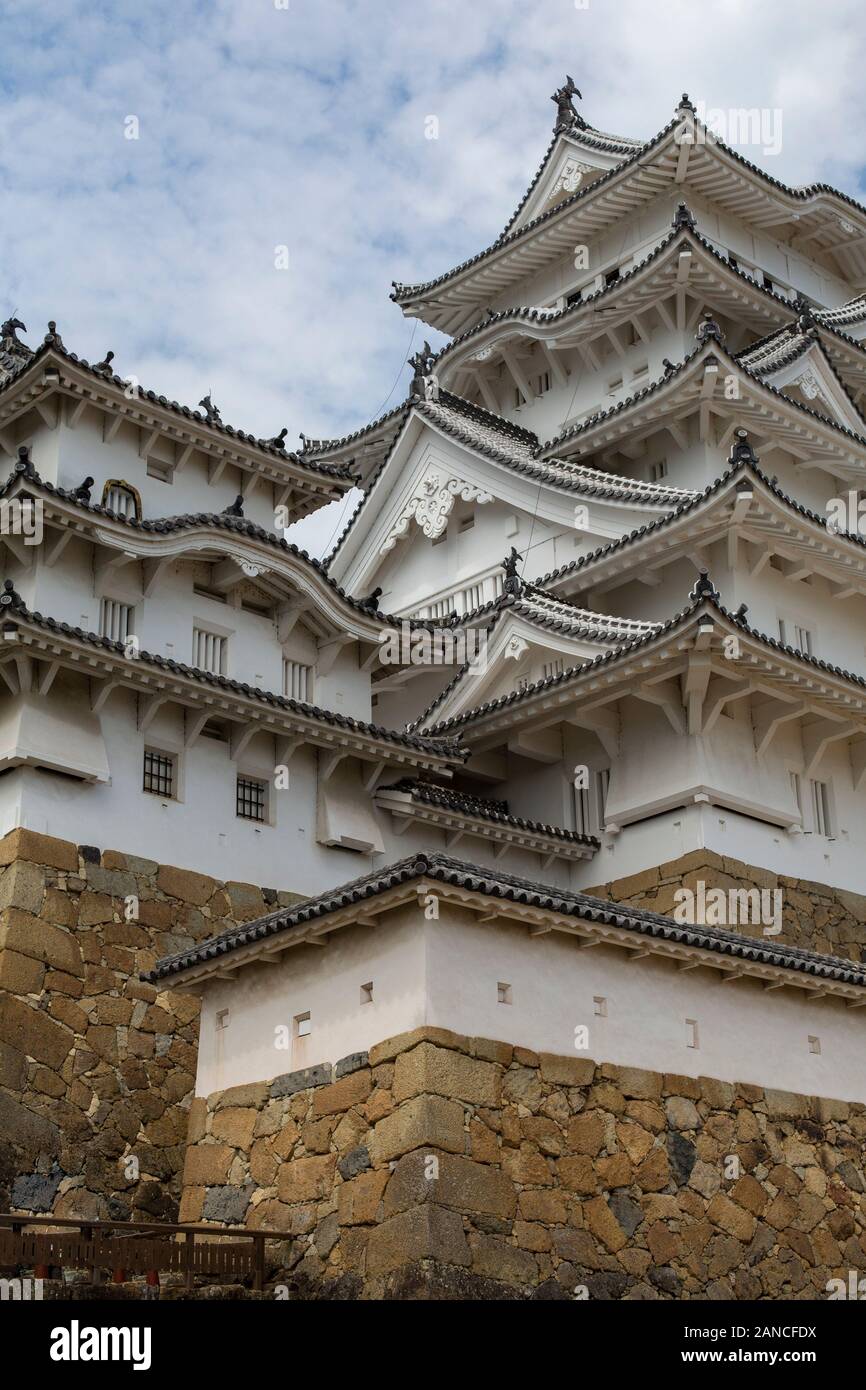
[105,364]
[210,410]
[421,364]
[512,578]
[566,116]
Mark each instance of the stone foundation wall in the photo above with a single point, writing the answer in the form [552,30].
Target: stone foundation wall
[95,1066]
[815,916]
[450,1167]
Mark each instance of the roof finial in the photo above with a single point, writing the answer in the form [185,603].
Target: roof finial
[24,465]
[805,314]
[105,365]
[685,103]
[9,329]
[52,336]
[9,597]
[705,587]
[683,218]
[742,451]
[236,508]
[210,410]
[421,364]
[709,329]
[512,578]
[278,441]
[566,116]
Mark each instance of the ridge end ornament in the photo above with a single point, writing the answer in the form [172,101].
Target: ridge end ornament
[566,116]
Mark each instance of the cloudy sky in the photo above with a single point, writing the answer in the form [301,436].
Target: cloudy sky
[300,124]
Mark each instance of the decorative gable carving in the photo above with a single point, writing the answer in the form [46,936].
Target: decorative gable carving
[571,178]
[431,505]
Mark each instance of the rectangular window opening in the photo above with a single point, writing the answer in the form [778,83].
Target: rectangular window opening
[503,993]
[159,773]
[303,1025]
[367,993]
[252,798]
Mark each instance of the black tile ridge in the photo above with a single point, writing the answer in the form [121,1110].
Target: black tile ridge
[712,346]
[506,887]
[50,344]
[402,293]
[538,468]
[314,447]
[610,144]
[533,314]
[704,597]
[809,341]
[242,526]
[485,808]
[735,467]
[13,607]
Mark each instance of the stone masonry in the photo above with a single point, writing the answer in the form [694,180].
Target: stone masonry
[814,916]
[441,1166]
[96,1067]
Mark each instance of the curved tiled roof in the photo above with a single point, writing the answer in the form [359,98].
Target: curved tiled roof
[678,232]
[483,809]
[853,311]
[784,347]
[717,347]
[223,521]
[584,135]
[507,238]
[52,343]
[519,449]
[737,465]
[702,595]
[506,887]
[12,606]
[546,612]
[801,194]
[313,448]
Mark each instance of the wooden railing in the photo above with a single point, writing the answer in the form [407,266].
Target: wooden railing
[133,1247]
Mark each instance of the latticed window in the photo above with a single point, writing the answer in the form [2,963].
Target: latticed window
[115,619]
[297,680]
[120,498]
[209,651]
[252,798]
[159,773]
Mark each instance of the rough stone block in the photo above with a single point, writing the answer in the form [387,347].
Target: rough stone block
[446,1073]
[189,887]
[293,1081]
[19,931]
[207,1165]
[342,1095]
[359,1199]
[234,1126]
[426,1233]
[354,1062]
[20,974]
[39,849]
[430,1121]
[33,1032]
[566,1071]
[451,1181]
[306,1178]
